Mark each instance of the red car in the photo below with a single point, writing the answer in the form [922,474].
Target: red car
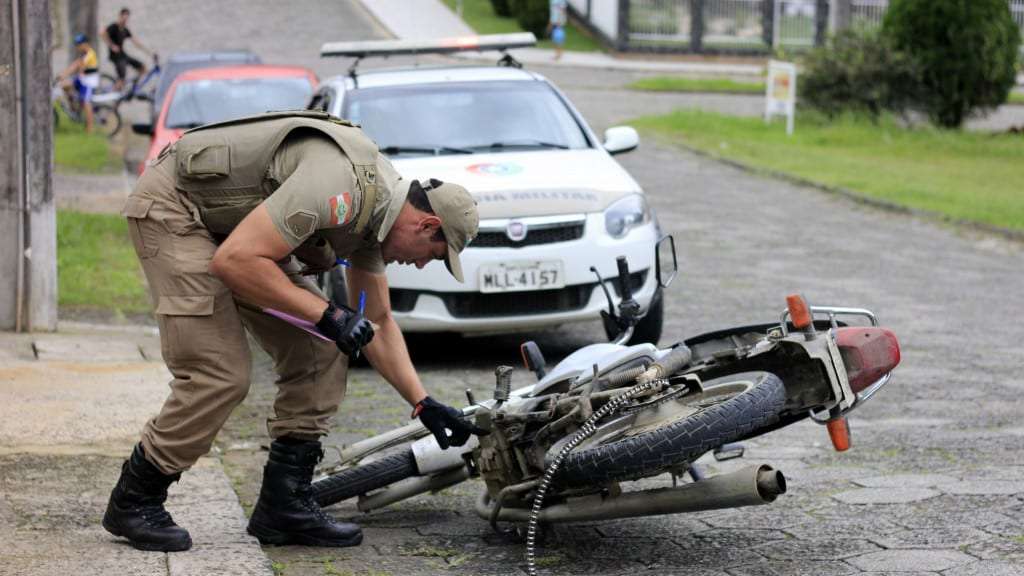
[207,95]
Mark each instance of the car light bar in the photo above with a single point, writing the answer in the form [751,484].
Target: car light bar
[483,43]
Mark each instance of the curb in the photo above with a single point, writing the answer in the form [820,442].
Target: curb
[858,197]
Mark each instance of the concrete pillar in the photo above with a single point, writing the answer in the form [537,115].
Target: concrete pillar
[840,15]
[697,26]
[28,241]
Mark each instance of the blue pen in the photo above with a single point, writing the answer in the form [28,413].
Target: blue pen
[343,262]
[362,308]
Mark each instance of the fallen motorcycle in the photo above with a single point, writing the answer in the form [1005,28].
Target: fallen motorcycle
[559,450]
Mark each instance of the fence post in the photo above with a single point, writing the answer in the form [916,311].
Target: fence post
[622,34]
[821,22]
[768,23]
[697,26]
[840,13]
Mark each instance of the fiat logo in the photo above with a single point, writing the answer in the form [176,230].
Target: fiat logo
[516,231]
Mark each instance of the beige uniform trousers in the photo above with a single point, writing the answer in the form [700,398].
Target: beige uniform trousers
[203,340]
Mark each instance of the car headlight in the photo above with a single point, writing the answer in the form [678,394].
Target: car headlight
[626,214]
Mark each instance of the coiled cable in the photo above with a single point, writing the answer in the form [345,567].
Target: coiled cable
[586,430]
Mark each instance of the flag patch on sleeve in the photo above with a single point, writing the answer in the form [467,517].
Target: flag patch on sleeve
[340,209]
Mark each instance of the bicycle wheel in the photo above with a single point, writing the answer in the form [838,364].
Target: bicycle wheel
[106,120]
[359,480]
[107,82]
[671,433]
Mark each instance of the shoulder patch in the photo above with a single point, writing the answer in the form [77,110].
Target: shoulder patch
[341,212]
[301,223]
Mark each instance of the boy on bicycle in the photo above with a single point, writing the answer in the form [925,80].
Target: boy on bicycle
[114,35]
[86,71]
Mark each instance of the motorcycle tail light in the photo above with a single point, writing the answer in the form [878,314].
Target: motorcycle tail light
[868,353]
[799,311]
[839,433]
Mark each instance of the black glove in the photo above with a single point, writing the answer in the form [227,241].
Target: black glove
[437,417]
[348,328]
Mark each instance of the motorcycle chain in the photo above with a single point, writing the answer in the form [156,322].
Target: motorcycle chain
[656,401]
[587,430]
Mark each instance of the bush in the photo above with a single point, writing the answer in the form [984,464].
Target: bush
[502,7]
[533,16]
[966,51]
[858,71]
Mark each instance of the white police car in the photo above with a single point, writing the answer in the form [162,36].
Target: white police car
[552,200]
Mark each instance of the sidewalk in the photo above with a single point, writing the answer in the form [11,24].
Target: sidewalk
[71,408]
[425,19]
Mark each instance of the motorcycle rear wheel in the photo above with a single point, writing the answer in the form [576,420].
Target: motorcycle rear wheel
[674,433]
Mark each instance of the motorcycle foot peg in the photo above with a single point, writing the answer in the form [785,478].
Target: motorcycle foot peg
[729,451]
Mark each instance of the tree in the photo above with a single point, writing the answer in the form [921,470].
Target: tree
[966,52]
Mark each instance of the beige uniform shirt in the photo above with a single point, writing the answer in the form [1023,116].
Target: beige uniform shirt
[319,198]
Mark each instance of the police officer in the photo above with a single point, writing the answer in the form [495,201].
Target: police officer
[225,222]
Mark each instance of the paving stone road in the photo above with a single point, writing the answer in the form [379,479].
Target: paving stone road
[934,483]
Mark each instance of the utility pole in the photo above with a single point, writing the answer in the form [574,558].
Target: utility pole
[28,239]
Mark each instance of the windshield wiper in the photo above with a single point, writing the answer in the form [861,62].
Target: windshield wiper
[435,150]
[525,143]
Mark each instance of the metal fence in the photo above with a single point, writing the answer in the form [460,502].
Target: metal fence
[730,23]
[867,13]
[734,25]
[795,23]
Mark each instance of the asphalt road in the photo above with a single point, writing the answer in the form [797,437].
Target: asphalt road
[935,481]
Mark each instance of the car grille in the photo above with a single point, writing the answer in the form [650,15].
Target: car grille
[534,236]
[479,305]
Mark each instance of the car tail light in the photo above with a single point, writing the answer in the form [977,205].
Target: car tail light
[868,353]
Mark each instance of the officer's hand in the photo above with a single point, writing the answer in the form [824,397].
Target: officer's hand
[348,328]
[438,417]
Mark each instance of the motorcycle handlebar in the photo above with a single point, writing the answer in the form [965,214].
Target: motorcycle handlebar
[624,288]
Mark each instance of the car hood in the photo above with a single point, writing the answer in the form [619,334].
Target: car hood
[535,183]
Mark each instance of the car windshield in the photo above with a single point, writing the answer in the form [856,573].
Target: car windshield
[456,118]
[201,102]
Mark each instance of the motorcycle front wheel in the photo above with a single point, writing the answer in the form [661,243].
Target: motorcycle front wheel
[359,480]
[651,438]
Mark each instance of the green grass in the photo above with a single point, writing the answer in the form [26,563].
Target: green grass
[480,16]
[970,176]
[1016,98]
[76,151]
[96,265]
[679,84]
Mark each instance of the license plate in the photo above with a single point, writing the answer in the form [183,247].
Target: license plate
[522,276]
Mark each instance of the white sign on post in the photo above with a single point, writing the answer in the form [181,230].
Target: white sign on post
[781,92]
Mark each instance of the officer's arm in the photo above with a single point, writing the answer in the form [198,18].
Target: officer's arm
[247,264]
[387,352]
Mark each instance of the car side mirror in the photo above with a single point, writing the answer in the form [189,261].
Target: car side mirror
[665,264]
[143,128]
[619,139]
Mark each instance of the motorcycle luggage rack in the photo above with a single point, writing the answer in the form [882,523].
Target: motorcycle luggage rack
[860,397]
[832,312]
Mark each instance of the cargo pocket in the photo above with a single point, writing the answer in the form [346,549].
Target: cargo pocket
[191,332]
[206,162]
[222,215]
[144,238]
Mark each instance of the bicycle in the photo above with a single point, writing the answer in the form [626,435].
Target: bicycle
[138,88]
[106,118]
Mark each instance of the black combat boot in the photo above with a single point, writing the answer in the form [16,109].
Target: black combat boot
[286,512]
[136,508]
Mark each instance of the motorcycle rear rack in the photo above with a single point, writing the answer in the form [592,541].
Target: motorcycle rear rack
[864,395]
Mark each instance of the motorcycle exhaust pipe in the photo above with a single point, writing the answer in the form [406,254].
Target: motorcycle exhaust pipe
[751,486]
[411,487]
